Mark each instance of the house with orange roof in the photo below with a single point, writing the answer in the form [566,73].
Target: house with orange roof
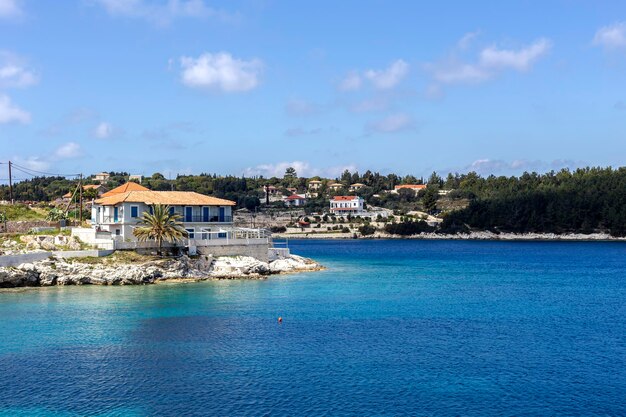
[99,189]
[118,213]
[347,204]
[295,200]
[413,187]
[124,188]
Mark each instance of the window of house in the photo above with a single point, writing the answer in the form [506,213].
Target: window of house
[191,233]
[118,232]
[134,212]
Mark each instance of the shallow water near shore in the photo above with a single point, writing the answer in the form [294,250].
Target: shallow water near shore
[397,327]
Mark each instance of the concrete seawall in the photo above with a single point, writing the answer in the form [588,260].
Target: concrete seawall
[257,251]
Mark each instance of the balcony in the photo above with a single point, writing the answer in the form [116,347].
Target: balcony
[206,219]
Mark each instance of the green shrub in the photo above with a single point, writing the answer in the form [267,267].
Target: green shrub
[367,230]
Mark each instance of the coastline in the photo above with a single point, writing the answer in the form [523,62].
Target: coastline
[74,271]
[488,236]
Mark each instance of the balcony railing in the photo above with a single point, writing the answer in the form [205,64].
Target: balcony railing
[205,219]
[184,219]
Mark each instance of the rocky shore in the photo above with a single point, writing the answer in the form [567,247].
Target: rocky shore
[97,272]
[465,236]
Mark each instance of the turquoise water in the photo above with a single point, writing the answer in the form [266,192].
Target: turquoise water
[391,328]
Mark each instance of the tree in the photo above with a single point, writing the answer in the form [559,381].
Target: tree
[160,225]
[90,194]
[290,173]
[429,201]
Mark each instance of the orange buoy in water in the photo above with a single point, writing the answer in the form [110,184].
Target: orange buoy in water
[280,319]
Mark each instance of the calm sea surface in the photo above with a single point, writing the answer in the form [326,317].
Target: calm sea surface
[391,328]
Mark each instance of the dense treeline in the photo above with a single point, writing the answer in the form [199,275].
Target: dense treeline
[584,201]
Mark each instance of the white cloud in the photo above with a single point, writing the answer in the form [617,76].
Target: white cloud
[32,162]
[390,77]
[11,113]
[68,150]
[384,79]
[13,71]
[351,82]
[391,124]
[104,130]
[162,13]
[491,62]
[611,36]
[467,40]
[220,72]
[454,73]
[520,60]
[10,8]
[303,169]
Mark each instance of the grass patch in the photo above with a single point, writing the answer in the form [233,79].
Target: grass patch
[19,212]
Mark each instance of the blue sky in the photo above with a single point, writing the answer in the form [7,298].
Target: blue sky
[251,87]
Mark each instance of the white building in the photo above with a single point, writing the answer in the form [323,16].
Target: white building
[356,187]
[315,185]
[101,176]
[347,204]
[295,200]
[203,217]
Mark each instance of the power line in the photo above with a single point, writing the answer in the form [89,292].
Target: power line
[33,172]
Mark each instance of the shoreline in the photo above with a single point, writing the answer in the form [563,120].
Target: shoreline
[474,236]
[72,271]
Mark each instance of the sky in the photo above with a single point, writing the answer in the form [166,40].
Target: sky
[252,87]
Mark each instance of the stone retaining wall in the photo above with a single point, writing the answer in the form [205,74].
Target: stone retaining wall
[25,226]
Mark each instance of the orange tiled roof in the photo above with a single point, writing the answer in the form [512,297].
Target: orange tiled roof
[410,186]
[171,198]
[85,187]
[295,197]
[129,186]
[345,197]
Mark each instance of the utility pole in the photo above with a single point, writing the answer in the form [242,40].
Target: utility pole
[10,184]
[80,196]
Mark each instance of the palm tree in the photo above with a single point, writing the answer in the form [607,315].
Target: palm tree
[160,225]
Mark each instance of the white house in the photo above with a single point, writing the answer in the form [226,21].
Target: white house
[335,186]
[315,185]
[347,204]
[101,176]
[295,200]
[203,217]
[356,187]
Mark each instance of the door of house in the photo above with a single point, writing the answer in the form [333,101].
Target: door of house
[115,214]
[188,214]
[222,212]
[205,214]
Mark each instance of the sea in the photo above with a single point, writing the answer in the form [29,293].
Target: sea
[390,328]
